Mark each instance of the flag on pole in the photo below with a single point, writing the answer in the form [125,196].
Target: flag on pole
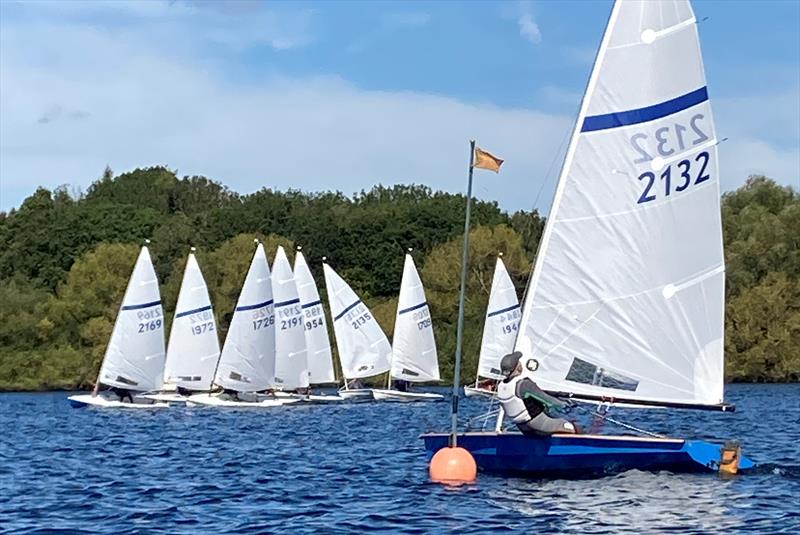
[486,160]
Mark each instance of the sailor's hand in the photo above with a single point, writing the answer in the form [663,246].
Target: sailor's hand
[567,405]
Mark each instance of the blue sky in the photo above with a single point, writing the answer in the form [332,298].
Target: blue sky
[343,95]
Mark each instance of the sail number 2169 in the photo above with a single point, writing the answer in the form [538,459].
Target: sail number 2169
[686,173]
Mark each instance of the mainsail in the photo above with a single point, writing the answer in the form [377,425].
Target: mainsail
[500,326]
[627,296]
[320,359]
[247,363]
[413,346]
[364,350]
[134,358]
[193,349]
[291,361]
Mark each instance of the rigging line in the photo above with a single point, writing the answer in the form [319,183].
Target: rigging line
[606,418]
[548,175]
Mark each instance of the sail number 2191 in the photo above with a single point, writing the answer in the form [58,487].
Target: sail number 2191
[688,173]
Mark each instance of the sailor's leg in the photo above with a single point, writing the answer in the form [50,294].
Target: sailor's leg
[546,425]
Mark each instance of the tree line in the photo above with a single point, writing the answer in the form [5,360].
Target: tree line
[65,260]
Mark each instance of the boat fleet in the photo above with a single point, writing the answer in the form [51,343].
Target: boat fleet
[277,347]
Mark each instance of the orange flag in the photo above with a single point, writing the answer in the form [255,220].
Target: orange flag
[486,160]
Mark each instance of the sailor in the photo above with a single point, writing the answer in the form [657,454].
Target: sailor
[355,384]
[122,394]
[526,404]
[402,386]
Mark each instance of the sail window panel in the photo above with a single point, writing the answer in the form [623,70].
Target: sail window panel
[585,372]
[126,381]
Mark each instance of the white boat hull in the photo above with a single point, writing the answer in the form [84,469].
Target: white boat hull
[208,400]
[313,398]
[404,397]
[166,397]
[471,391]
[357,394]
[88,400]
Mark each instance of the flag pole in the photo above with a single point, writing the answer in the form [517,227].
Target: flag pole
[460,330]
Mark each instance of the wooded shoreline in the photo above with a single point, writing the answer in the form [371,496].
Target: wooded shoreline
[65,260]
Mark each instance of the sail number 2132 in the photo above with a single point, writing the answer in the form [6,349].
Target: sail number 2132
[684,174]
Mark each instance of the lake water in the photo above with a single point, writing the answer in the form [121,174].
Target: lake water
[362,467]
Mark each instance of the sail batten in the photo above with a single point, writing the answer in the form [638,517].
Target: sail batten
[627,294]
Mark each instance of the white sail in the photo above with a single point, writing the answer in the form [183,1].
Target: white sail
[291,361]
[320,359]
[364,350]
[500,327]
[134,358]
[247,363]
[193,349]
[413,347]
[627,296]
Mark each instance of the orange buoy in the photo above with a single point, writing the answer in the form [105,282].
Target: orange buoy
[453,466]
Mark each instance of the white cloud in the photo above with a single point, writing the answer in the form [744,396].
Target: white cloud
[743,157]
[528,27]
[763,134]
[141,95]
[156,104]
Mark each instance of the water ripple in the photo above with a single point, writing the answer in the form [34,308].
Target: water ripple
[358,468]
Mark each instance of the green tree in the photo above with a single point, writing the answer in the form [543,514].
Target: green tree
[441,276]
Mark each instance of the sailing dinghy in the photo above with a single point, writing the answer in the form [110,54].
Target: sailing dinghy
[320,357]
[364,350]
[291,360]
[499,331]
[193,348]
[626,301]
[414,356]
[134,359]
[247,363]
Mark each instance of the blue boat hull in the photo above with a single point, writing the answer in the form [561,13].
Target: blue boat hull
[582,455]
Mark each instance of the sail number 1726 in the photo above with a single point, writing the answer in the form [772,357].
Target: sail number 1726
[687,173]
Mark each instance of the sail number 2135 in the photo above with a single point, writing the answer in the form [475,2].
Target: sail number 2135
[671,179]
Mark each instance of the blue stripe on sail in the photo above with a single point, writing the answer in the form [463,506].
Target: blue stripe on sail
[309,305]
[190,312]
[643,115]
[346,310]
[415,307]
[287,303]
[496,312]
[143,305]
[253,307]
